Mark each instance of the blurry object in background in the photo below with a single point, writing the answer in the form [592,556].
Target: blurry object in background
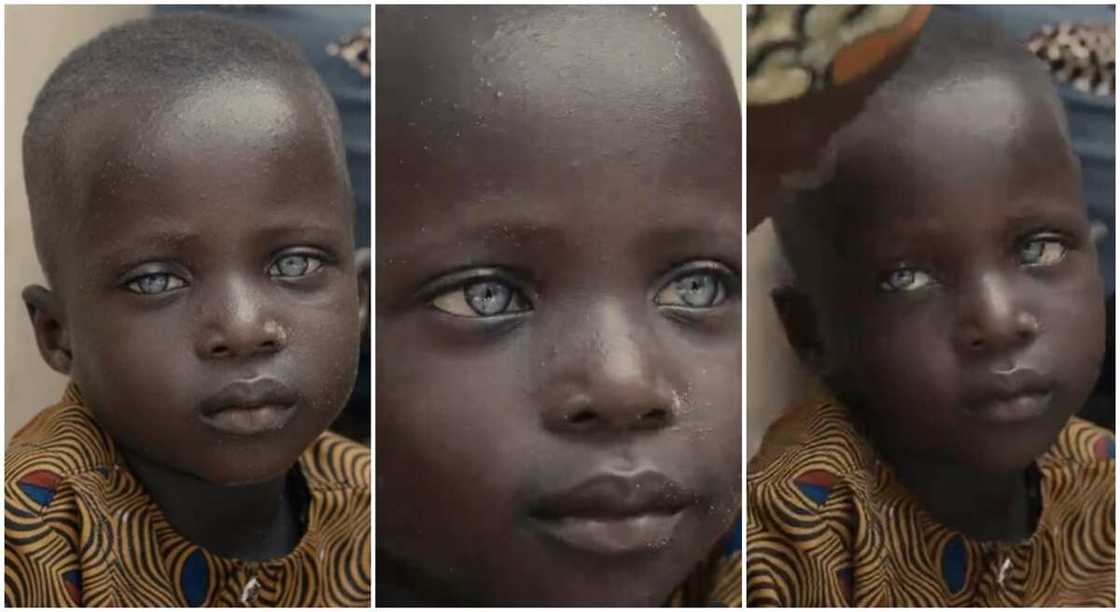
[795,49]
[1080,54]
[355,50]
[809,69]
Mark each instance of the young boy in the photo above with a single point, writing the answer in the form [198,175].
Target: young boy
[947,294]
[558,234]
[193,216]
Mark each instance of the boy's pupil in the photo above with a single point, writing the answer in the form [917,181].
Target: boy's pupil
[488,297]
[292,264]
[153,283]
[697,290]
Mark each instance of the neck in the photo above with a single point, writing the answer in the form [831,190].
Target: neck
[250,522]
[983,506]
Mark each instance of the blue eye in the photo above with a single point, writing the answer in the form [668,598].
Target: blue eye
[697,285]
[153,284]
[484,298]
[1042,252]
[905,279]
[698,290]
[295,266]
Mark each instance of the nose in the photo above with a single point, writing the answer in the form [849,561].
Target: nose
[993,317]
[608,375]
[238,321]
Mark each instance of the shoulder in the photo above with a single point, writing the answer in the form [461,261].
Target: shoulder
[336,463]
[805,454]
[1081,443]
[56,470]
[61,445]
[1079,469]
[804,492]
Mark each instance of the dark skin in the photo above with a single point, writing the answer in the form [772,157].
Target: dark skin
[948,290]
[586,198]
[214,245]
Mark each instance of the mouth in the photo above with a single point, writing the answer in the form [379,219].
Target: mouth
[1011,397]
[250,408]
[614,515]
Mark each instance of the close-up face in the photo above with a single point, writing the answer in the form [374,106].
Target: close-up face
[962,315]
[558,308]
[214,313]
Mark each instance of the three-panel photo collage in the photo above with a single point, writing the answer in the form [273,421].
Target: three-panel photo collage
[559,305]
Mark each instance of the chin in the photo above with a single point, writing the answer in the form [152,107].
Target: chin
[246,473]
[1012,451]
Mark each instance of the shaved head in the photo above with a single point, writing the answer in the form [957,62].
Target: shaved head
[955,57]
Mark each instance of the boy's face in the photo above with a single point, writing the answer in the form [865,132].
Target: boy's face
[558,320]
[958,297]
[212,302]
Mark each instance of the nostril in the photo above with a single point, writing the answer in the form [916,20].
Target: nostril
[581,417]
[220,351]
[656,415]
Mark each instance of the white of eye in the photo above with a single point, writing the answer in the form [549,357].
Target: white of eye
[1042,252]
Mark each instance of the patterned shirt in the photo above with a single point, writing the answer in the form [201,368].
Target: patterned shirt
[80,529]
[829,525]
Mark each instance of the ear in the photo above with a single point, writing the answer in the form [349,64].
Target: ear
[362,268]
[799,319]
[49,324]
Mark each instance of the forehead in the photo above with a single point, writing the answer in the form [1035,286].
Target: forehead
[545,100]
[959,142]
[210,138]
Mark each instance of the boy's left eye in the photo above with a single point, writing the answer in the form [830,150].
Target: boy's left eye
[488,297]
[1042,252]
[698,289]
[156,283]
[295,266]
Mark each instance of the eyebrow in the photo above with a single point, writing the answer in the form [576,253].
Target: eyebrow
[170,240]
[173,240]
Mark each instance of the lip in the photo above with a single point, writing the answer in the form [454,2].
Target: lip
[1015,396]
[612,514]
[250,407]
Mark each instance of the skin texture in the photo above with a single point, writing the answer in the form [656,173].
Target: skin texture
[585,158]
[208,190]
[967,191]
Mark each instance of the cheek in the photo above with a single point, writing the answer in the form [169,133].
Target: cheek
[324,346]
[1074,335]
[131,356]
[901,367]
[708,380]
[455,434]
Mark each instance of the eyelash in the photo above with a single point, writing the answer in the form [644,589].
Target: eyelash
[465,295]
[172,281]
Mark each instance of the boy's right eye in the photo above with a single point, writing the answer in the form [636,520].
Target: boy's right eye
[905,279]
[156,283]
[489,297]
